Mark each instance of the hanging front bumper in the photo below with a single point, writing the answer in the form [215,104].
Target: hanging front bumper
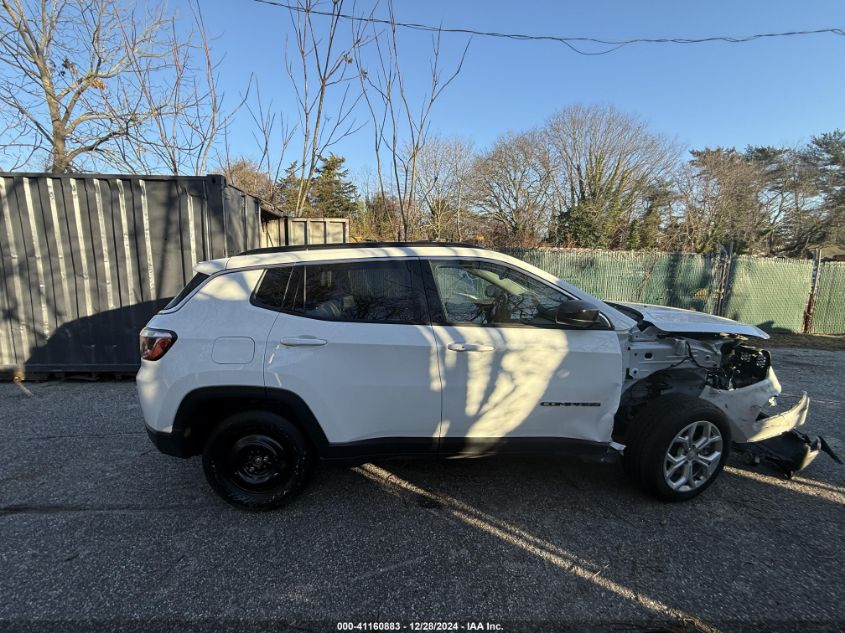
[774,425]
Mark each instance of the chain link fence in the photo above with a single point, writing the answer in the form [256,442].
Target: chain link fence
[776,294]
[677,279]
[829,305]
[770,293]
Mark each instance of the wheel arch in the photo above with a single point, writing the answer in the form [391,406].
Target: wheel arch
[649,430]
[202,409]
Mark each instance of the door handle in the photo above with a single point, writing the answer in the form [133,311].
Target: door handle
[303,341]
[470,347]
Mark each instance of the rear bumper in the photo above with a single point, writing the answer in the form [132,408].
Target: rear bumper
[169,443]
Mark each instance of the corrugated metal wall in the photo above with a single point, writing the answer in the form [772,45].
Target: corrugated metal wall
[85,261]
[829,313]
[288,230]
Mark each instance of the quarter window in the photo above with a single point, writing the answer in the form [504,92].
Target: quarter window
[271,291]
[484,293]
[188,289]
[377,292]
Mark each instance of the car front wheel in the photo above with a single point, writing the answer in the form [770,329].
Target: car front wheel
[257,460]
[677,446]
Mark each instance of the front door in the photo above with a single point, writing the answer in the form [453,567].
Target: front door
[352,340]
[510,375]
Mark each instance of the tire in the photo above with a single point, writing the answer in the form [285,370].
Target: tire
[257,460]
[677,446]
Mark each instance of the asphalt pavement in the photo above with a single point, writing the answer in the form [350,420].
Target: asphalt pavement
[98,531]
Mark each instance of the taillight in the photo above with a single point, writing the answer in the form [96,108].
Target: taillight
[155,343]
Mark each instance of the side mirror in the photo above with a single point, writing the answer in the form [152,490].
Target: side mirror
[578,314]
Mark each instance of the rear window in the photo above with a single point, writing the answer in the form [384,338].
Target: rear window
[371,292]
[192,285]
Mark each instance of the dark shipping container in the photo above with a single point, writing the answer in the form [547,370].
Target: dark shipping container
[86,260]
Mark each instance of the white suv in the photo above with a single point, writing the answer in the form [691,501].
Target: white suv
[275,358]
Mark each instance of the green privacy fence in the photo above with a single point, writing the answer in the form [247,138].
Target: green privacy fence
[676,279]
[768,292]
[772,293]
[829,305]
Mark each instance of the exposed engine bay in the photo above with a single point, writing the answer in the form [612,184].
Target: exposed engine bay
[727,370]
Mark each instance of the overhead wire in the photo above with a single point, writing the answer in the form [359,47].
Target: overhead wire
[569,41]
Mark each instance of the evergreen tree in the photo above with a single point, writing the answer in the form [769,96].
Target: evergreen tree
[658,198]
[332,194]
[649,227]
[580,226]
[827,152]
[287,189]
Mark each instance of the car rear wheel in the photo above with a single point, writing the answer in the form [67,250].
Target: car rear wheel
[677,446]
[257,460]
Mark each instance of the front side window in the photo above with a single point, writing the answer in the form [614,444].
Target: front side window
[376,292]
[485,293]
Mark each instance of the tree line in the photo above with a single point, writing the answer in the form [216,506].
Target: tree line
[96,85]
[597,178]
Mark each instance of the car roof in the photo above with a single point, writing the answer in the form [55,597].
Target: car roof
[365,244]
[340,252]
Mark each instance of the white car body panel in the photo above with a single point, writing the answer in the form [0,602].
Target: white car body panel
[780,423]
[520,382]
[678,320]
[369,380]
[218,312]
[744,405]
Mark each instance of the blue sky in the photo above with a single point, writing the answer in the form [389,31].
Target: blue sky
[778,91]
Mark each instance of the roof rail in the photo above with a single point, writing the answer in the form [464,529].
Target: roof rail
[310,247]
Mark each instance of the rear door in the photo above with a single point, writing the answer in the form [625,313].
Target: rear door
[510,374]
[352,340]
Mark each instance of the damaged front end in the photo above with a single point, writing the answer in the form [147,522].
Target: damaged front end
[771,439]
[787,453]
[723,369]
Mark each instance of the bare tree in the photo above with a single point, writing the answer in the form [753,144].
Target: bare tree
[444,168]
[90,83]
[604,162]
[400,127]
[18,146]
[180,90]
[246,175]
[512,187]
[323,77]
[66,75]
[272,135]
[259,174]
[724,202]
[377,216]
